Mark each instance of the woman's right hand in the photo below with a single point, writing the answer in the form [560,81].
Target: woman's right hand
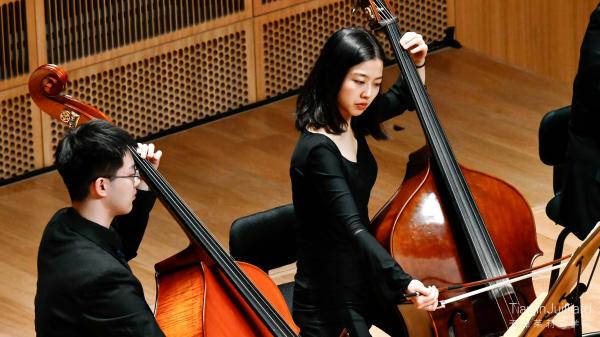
[427,298]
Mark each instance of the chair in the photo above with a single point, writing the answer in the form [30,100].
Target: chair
[553,139]
[267,240]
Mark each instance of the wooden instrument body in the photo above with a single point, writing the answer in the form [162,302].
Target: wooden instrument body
[196,299]
[418,229]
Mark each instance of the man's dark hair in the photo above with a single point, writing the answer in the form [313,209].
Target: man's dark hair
[90,151]
[317,102]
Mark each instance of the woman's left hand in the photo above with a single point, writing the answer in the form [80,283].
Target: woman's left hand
[416,46]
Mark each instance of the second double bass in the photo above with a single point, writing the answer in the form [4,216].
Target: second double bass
[202,290]
[449,225]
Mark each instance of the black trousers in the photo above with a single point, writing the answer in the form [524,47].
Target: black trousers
[355,315]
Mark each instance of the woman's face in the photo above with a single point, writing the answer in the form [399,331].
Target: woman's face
[359,88]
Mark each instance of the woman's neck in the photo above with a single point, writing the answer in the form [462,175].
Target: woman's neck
[345,141]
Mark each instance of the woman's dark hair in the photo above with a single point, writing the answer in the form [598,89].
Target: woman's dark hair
[90,151]
[317,103]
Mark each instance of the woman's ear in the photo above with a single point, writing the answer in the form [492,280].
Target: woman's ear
[99,187]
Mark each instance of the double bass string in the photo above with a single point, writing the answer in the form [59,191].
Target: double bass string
[214,249]
[501,284]
[463,204]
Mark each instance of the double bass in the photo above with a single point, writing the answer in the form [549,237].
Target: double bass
[448,225]
[202,291]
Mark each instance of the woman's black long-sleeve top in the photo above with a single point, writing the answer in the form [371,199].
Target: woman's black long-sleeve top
[338,258]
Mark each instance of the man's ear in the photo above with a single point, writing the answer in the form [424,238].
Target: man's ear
[99,187]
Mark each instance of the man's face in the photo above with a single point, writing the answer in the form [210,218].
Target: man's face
[123,187]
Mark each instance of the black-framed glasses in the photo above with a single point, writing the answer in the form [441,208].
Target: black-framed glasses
[134,176]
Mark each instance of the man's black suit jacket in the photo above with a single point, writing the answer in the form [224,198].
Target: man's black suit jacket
[85,286]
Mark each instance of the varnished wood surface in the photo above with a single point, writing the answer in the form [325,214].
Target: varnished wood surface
[239,165]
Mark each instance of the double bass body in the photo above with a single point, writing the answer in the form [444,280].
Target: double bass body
[448,225]
[417,225]
[196,299]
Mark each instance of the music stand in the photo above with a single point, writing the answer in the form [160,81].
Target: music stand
[565,292]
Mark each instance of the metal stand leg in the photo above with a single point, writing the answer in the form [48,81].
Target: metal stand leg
[558,250]
[574,298]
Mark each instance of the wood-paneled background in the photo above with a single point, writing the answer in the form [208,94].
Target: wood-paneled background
[153,65]
[542,36]
[158,64]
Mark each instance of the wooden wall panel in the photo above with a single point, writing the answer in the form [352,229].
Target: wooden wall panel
[78,35]
[289,41]
[159,64]
[14,40]
[21,141]
[157,89]
[261,7]
[75,33]
[543,36]
[20,133]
